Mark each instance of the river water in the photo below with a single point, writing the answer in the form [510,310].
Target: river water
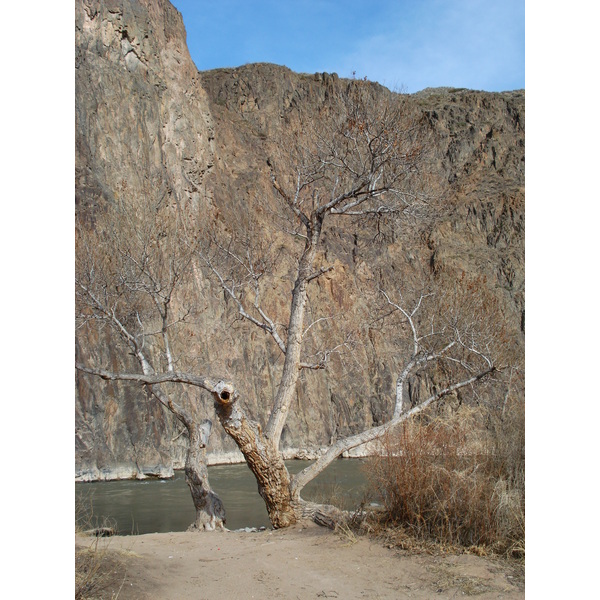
[163,505]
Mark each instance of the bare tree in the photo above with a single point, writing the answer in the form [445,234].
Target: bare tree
[364,158]
[129,277]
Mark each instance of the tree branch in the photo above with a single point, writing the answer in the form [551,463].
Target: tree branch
[309,473]
[210,384]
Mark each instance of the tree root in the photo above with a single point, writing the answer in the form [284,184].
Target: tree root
[325,515]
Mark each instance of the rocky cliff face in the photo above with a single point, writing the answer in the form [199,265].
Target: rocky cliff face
[149,124]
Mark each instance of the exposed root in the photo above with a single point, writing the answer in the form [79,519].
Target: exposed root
[326,515]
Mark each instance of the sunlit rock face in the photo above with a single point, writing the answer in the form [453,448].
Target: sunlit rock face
[149,125]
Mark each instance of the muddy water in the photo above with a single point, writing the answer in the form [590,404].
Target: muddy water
[149,506]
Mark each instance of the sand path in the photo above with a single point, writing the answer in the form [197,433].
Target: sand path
[302,562]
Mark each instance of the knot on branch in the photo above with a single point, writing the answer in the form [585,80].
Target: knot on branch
[225,393]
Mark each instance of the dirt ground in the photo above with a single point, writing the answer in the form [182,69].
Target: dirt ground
[302,562]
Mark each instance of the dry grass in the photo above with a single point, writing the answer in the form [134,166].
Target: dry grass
[346,532]
[87,522]
[454,482]
[99,572]
[447,577]
[330,493]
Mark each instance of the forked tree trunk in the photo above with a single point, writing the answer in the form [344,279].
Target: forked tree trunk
[262,457]
[267,464]
[210,512]
[280,493]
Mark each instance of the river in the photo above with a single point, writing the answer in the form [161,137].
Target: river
[163,505]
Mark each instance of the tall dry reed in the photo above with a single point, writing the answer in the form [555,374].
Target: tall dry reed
[457,480]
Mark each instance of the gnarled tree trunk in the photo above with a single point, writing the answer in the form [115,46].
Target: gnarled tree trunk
[210,513]
[263,458]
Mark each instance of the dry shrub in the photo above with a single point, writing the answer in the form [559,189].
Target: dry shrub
[99,573]
[457,480]
[90,575]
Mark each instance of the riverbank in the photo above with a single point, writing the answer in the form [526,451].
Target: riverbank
[164,505]
[304,561]
[130,471]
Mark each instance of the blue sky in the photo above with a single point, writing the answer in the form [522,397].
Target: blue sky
[403,44]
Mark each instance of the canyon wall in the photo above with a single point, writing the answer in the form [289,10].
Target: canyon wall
[149,125]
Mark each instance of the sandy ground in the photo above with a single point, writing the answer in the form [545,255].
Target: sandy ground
[301,562]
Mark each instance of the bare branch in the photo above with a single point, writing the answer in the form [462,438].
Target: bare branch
[210,384]
[266,323]
[335,450]
[318,273]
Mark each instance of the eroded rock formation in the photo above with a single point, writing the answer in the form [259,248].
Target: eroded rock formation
[149,124]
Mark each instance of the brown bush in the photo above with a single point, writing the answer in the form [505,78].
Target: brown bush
[456,480]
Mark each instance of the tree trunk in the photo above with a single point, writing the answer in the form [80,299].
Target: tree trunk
[210,513]
[262,457]
[289,378]
[291,366]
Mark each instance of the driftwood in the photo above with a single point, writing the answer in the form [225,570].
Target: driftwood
[101,532]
